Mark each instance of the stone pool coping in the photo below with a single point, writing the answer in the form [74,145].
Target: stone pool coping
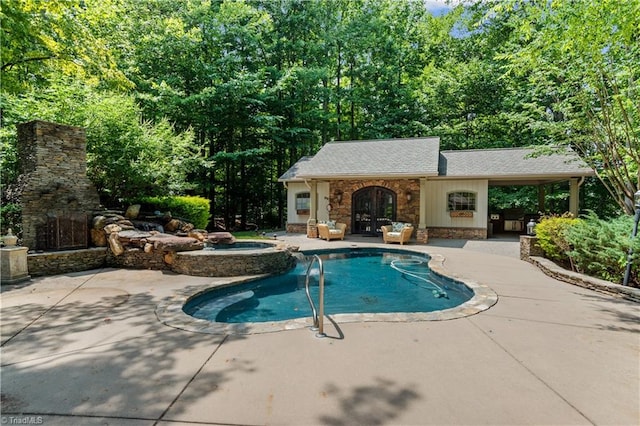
[170,312]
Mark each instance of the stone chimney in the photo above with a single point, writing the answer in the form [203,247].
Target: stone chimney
[56,196]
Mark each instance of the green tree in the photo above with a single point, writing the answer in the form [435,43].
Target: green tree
[41,39]
[581,62]
[125,156]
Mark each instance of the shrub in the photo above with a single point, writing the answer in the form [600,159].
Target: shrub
[193,209]
[551,233]
[11,217]
[600,248]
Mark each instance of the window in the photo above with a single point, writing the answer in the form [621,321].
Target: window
[303,203]
[461,201]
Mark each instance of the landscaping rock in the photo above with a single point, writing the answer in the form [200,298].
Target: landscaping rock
[133,211]
[99,222]
[166,242]
[147,226]
[175,225]
[198,234]
[220,238]
[113,218]
[133,234]
[114,244]
[112,228]
[133,238]
[98,237]
[172,226]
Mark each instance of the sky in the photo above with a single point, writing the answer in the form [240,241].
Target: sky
[438,7]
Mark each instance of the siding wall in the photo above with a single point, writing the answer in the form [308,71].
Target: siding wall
[437,213]
[294,188]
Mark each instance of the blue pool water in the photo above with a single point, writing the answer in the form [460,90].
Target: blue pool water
[356,281]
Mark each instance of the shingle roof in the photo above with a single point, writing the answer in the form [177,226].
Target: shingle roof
[297,169]
[420,157]
[510,162]
[385,157]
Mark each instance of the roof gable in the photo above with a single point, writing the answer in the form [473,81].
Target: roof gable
[385,157]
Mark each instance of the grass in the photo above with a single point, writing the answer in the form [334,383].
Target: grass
[265,234]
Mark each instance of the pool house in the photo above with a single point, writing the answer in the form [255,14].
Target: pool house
[443,194]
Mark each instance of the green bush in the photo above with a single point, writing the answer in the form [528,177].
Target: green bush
[193,209]
[600,248]
[551,233]
[11,217]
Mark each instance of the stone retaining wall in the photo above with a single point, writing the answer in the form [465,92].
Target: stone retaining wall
[530,251]
[63,262]
[206,263]
[555,271]
[296,228]
[458,233]
[136,258]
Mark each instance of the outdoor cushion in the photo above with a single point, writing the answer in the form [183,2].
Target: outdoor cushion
[326,233]
[400,234]
[397,226]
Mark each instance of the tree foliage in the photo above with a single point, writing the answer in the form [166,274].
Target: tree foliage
[219,97]
[125,156]
[581,64]
[600,248]
[552,236]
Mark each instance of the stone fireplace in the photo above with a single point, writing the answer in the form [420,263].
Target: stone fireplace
[56,197]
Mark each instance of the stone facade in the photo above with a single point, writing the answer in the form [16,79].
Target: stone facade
[422,236]
[458,233]
[64,262]
[406,211]
[53,181]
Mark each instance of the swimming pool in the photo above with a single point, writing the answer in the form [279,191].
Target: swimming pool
[356,281]
[239,290]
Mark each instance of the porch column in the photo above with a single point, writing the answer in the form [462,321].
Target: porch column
[574,196]
[423,204]
[313,187]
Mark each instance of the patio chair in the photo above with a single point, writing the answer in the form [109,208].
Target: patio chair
[332,230]
[397,233]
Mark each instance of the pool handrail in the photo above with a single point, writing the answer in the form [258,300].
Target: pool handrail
[318,317]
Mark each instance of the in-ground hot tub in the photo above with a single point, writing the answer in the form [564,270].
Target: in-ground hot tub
[247,257]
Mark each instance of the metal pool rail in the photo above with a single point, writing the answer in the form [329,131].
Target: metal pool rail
[318,317]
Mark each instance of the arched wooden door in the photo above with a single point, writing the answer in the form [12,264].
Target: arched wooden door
[373,207]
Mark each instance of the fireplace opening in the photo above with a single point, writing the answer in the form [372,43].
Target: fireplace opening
[63,231]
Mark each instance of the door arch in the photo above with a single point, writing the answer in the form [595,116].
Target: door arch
[373,207]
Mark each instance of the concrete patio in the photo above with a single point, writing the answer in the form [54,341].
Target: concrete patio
[87,349]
